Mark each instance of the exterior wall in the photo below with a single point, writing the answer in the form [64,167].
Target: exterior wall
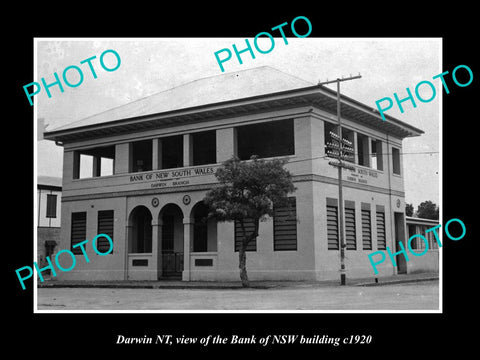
[48,228]
[110,266]
[428,262]
[265,263]
[42,219]
[357,263]
[315,180]
[45,234]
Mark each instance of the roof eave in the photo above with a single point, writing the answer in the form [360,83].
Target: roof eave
[238,106]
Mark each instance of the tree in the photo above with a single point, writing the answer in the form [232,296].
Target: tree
[247,191]
[428,210]
[409,209]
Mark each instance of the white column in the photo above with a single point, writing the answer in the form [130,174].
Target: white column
[187,150]
[187,243]
[226,144]
[156,249]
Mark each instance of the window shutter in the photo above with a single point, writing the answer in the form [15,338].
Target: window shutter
[366,230]
[249,227]
[78,230]
[285,226]
[350,237]
[51,206]
[332,228]
[105,226]
[381,240]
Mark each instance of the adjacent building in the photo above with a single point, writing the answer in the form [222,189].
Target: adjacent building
[139,173]
[430,260]
[49,197]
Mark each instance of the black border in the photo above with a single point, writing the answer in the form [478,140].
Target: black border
[95,334]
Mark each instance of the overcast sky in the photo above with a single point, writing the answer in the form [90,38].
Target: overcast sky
[152,65]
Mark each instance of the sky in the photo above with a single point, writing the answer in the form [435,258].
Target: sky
[387,66]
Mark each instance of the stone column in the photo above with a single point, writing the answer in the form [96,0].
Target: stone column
[122,158]
[187,150]
[226,144]
[156,265]
[187,244]
[128,236]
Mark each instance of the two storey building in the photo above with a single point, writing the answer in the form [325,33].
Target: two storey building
[139,173]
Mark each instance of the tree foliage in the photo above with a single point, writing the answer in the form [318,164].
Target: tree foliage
[409,209]
[248,190]
[428,210]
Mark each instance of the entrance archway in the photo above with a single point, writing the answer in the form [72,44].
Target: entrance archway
[204,229]
[171,253]
[140,235]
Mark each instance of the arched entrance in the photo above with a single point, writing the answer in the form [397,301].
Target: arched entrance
[141,265]
[204,229]
[171,247]
[140,236]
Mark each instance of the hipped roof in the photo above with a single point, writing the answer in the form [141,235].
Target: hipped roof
[228,94]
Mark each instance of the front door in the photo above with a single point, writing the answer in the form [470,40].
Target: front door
[400,237]
[172,261]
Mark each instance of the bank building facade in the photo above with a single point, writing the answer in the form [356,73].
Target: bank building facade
[139,173]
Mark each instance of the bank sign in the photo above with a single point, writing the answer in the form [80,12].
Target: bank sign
[174,177]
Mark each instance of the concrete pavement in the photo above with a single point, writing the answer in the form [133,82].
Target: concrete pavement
[177,284]
[421,295]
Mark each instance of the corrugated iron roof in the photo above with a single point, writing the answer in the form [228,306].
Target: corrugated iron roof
[214,89]
[227,94]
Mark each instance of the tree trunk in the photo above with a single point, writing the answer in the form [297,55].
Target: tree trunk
[242,254]
[242,265]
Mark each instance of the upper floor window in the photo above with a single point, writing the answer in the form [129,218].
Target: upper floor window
[376,160]
[346,135]
[265,140]
[363,150]
[94,162]
[141,156]
[172,152]
[396,160]
[51,206]
[204,147]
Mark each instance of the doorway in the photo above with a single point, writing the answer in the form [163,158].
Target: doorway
[172,242]
[399,222]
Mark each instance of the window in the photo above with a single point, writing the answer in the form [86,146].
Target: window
[381,239]
[140,234]
[412,231]
[94,162]
[269,139]
[332,224]
[141,156]
[204,147]
[432,241]
[366,229]
[51,206]
[78,230]
[172,152]
[376,159]
[105,226]
[396,160]
[249,227]
[350,229]
[285,226]
[200,228]
[363,150]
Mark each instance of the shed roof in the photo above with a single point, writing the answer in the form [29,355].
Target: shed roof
[49,181]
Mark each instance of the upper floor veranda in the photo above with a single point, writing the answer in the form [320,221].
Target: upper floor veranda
[180,149]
